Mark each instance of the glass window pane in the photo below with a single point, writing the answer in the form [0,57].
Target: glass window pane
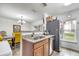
[69,28]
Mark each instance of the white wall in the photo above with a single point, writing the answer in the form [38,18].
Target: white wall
[6,24]
[27,27]
[38,22]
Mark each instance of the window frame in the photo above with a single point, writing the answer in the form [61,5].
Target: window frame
[75,40]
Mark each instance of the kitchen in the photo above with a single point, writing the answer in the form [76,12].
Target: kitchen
[39,28]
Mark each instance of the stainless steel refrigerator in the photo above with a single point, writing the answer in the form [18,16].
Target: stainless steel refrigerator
[53,29]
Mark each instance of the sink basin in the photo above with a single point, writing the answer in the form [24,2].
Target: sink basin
[35,37]
[38,37]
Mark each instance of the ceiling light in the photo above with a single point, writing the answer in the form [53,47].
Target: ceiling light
[21,21]
[66,4]
[25,17]
[68,16]
[18,21]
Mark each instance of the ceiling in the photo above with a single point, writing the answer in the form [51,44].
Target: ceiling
[33,11]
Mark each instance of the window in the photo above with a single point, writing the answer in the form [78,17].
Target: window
[68,31]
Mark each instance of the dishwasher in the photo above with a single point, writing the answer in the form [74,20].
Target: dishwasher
[50,46]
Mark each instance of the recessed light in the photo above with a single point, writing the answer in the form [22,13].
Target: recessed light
[67,4]
[68,16]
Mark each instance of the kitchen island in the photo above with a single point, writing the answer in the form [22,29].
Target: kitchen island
[35,47]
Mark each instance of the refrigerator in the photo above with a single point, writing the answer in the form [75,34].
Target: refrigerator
[53,28]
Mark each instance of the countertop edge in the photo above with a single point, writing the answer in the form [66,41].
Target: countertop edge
[38,40]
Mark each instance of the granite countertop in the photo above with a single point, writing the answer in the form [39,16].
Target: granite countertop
[37,40]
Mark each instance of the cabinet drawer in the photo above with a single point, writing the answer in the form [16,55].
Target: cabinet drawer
[38,51]
[36,45]
[45,41]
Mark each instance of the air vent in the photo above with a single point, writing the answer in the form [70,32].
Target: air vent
[44,4]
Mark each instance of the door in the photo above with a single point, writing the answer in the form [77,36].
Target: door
[50,45]
[46,49]
[38,51]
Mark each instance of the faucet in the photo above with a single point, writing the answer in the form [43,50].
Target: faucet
[32,34]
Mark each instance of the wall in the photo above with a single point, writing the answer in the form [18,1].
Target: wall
[6,24]
[38,22]
[27,27]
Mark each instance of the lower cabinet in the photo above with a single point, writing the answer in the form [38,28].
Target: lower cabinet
[35,49]
[46,49]
[41,48]
[38,51]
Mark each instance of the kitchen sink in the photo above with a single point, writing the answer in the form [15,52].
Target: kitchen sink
[38,37]
[35,37]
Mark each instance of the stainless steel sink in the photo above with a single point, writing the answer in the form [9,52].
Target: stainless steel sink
[38,37]
[35,37]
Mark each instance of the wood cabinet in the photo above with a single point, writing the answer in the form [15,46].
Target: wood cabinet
[35,49]
[27,48]
[38,51]
[46,49]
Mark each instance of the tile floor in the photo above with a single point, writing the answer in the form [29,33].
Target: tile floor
[66,52]
[16,51]
[63,52]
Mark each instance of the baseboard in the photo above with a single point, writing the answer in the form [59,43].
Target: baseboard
[70,49]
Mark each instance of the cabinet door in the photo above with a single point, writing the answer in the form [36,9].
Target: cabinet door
[46,49]
[38,51]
